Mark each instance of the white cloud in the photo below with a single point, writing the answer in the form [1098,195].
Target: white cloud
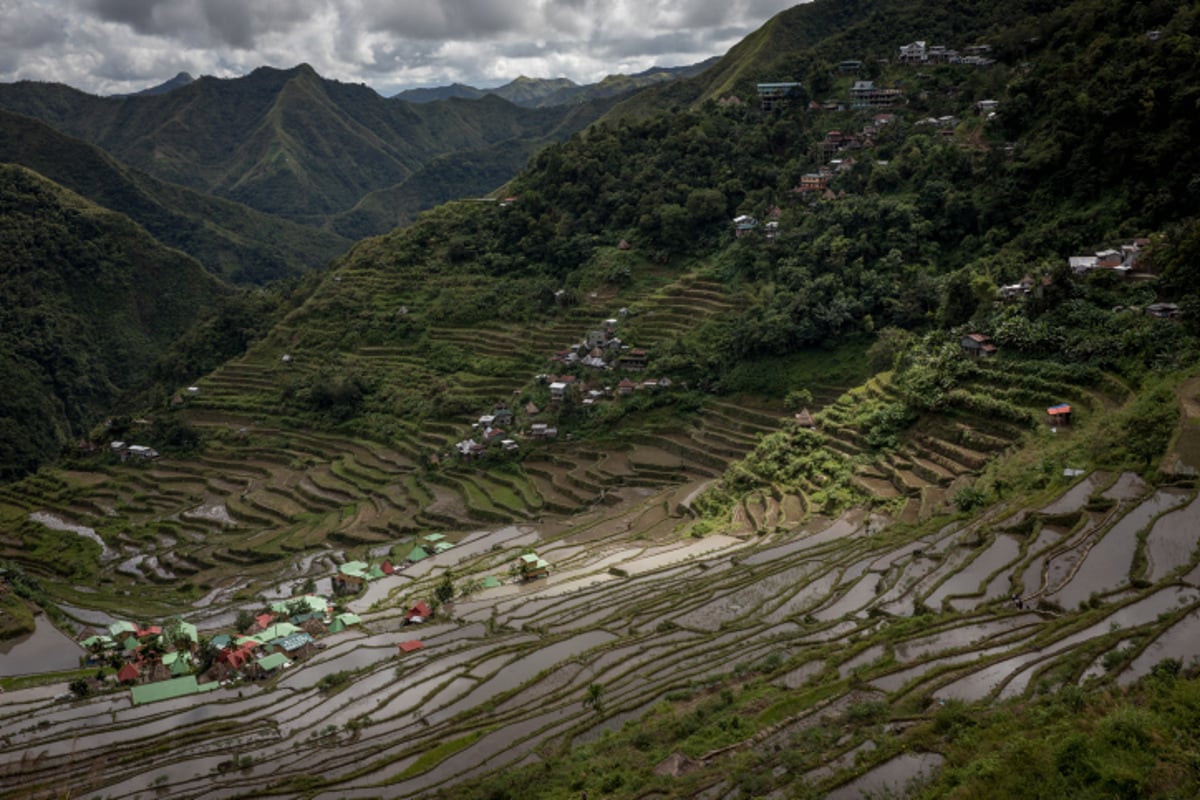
[107,46]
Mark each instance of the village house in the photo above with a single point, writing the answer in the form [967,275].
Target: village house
[297,645]
[743,224]
[977,345]
[777,95]
[849,66]
[540,430]
[530,566]
[865,94]
[1059,414]
[625,387]
[913,53]
[418,613]
[1163,310]
[805,419]
[635,360]
[813,182]
[1081,264]
[1130,253]
[1018,289]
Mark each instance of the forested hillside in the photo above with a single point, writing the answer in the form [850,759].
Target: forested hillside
[90,302]
[231,240]
[288,142]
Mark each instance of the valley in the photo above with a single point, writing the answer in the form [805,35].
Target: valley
[817,423]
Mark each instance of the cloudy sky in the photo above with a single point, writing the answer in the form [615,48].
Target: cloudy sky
[111,46]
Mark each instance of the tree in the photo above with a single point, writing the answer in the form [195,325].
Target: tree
[594,699]
[445,590]
[245,620]
[798,399]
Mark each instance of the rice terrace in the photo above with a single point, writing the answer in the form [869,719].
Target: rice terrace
[824,637]
[818,421]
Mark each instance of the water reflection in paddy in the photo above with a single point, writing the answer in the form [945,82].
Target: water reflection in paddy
[47,649]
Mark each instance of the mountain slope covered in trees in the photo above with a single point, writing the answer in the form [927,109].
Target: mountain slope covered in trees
[286,142]
[90,301]
[231,240]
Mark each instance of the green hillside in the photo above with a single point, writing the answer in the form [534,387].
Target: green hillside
[90,301]
[285,142]
[231,240]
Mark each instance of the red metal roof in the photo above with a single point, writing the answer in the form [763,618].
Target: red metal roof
[1062,408]
[410,645]
[421,609]
[128,673]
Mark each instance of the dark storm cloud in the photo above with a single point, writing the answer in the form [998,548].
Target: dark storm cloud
[236,23]
[451,19]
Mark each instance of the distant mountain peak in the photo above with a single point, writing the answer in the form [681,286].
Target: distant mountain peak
[180,79]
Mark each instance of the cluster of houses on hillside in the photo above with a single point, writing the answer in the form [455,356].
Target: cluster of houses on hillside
[160,662]
[599,353]
[921,53]
[125,451]
[1124,260]
[745,224]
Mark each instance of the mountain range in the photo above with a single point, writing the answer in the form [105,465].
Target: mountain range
[288,142]
[541,92]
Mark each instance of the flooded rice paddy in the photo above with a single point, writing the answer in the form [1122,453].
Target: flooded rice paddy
[641,616]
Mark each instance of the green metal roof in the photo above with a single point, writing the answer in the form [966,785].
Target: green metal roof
[182,666]
[417,554]
[355,569]
[293,642]
[164,690]
[221,641]
[530,558]
[433,537]
[273,661]
[188,630]
[348,619]
[491,582]
[442,547]
[375,573]
[121,626]
[277,631]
